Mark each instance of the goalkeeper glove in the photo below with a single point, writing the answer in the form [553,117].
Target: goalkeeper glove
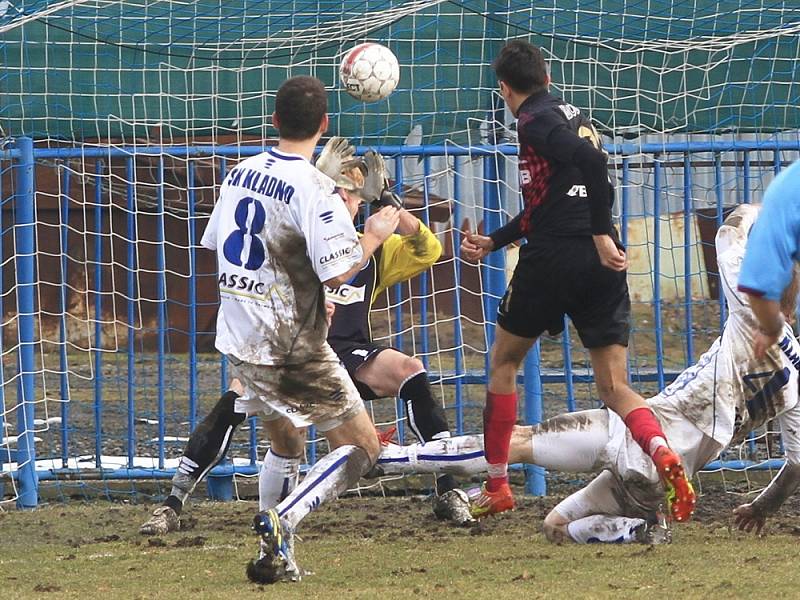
[376,185]
[335,158]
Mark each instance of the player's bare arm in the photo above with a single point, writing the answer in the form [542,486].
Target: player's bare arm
[752,516]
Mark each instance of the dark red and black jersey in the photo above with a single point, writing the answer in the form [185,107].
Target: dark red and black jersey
[552,180]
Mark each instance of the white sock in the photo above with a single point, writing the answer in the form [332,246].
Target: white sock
[462,455]
[331,476]
[605,529]
[276,479]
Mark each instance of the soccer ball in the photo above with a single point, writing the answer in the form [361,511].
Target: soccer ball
[369,72]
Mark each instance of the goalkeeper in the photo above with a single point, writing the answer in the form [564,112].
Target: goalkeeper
[710,406]
[377,371]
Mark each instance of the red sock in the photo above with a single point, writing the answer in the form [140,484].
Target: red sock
[644,428]
[499,418]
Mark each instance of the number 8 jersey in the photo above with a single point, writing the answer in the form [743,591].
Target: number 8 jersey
[279,231]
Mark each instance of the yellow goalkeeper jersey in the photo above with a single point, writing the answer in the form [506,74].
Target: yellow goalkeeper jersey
[399,258]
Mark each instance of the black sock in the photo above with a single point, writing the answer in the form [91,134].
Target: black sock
[425,416]
[207,445]
[174,503]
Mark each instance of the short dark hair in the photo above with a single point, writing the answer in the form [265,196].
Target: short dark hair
[521,66]
[300,105]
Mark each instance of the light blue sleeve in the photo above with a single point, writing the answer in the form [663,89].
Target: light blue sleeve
[774,242]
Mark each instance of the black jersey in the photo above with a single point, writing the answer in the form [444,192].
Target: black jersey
[399,258]
[554,189]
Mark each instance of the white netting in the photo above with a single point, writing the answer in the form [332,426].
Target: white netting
[117,243]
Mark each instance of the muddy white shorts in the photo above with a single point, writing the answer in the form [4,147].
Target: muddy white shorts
[317,392]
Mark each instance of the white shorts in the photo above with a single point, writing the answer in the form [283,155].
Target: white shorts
[598,439]
[318,392]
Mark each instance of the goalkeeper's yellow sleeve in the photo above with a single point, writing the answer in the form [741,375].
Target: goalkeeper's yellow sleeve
[404,256]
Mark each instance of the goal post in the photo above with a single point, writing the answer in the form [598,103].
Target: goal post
[130,112]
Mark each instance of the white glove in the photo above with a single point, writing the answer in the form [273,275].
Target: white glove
[337,156]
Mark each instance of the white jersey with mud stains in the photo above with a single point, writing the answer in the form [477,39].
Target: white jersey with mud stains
[279,230]
[728,392]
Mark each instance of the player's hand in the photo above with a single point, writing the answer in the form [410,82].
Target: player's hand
[764,342]
[330,308]
[382,223]
[337,156]
[475,246]
[611,256]
[747,518]
[374,177]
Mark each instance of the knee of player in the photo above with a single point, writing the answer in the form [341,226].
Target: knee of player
[411,366]
[554,528]
[287,441]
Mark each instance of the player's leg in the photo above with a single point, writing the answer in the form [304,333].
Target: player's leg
[571,442]
[609,365]
[499,418]
[280,469]
[599,305]
[318,392]
[355,449]
[594,514]
[390,373]
[207,445]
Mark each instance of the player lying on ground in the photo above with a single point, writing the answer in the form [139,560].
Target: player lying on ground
[378,371]
[572,264]
[710,406]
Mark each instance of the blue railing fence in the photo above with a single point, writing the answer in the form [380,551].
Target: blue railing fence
[145,361]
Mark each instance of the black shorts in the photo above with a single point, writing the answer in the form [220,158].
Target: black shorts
[561,276]
[352,355]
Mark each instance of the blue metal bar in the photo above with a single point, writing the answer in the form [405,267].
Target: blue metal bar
[659,333]
[250,470]
[423,277]
[25,250]
[688,227]
[223,362]
[720,210]
[5,455]
[396,328]
[457,335]
[626,200]
[624,149]
[493,266]
[746,178]
[161,318]
[534,475]
[398,290]
[566,350]
[130,205]
[98,311]
[776,159]
[193,300]
[63,375]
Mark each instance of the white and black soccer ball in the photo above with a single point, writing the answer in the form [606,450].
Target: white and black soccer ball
[369,72]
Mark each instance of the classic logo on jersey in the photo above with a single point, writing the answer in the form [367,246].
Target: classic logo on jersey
[326,217]
[346,294]
[335,256]
[242,283]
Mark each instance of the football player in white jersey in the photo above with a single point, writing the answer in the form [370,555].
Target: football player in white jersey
[377,371]
[280,232]
[710,406]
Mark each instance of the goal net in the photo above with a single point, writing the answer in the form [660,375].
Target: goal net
[137,109]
